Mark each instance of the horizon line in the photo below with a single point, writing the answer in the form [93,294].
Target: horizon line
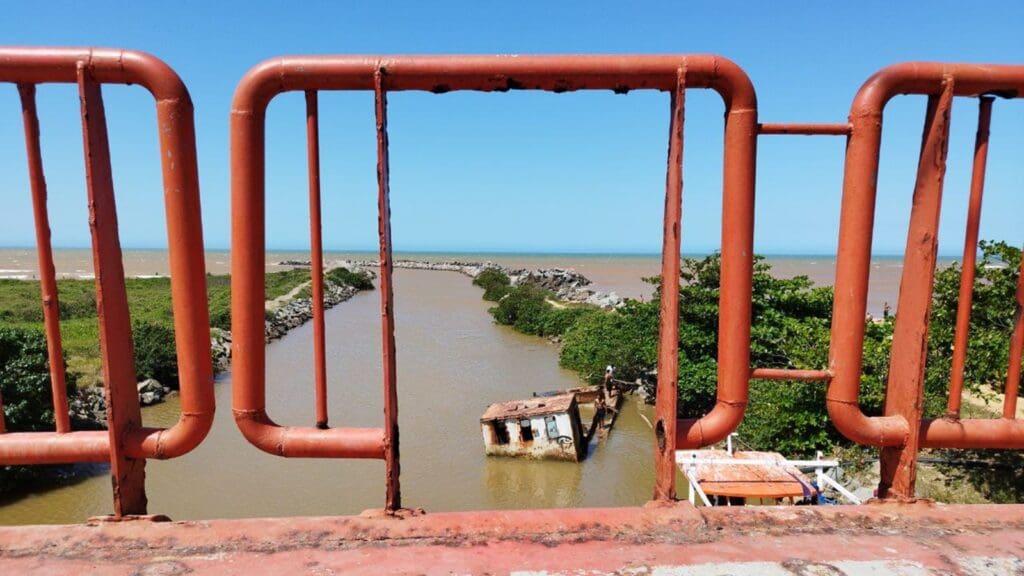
[496,252]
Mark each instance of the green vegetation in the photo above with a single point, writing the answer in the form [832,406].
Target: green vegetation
[277,284]
[344,277]
[24,368]
[25,388]
[25,380]
[149,300]
[495,283]
[155,357]
[532,310]
[790,329]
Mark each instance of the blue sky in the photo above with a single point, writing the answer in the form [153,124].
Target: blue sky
[579,172]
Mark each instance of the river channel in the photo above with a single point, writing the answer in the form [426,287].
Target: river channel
[452,362]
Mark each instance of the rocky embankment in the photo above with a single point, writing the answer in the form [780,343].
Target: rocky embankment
[567,284]
[89,407]
[279,320]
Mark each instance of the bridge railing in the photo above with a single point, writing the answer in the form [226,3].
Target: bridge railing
[127,443]
[902,431]
[673,74]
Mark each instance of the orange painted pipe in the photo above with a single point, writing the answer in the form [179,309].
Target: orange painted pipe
[29,66]
[44,252]
[963,305]
[854,256]
[316,258]
[803,129]
[441,74]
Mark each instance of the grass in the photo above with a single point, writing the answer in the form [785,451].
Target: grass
[149,300]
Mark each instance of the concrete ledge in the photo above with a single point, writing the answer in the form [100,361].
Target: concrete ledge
[907,539]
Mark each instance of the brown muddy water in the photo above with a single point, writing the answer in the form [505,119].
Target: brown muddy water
[452,362]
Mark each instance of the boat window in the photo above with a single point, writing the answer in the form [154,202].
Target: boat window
[525,431]
[500,432]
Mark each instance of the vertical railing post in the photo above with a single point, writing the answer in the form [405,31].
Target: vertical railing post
[905,389]
[1016,351]
[316,258]
[44,251]
[668,335]
[963,306]
[394,495]
[123,413]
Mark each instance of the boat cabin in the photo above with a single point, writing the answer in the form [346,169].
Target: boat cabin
[543,428]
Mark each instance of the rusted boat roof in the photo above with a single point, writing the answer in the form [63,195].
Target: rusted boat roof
[528,408]
[766,477]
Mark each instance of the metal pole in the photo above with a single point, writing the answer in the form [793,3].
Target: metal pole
[963,308]
[123,413]
[317,258]
[392,464]
[910,336]
[44,252]
[668,336]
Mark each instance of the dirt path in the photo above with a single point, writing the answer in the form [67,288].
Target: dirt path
[285,298]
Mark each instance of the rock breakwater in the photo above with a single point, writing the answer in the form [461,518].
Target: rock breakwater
[566,283]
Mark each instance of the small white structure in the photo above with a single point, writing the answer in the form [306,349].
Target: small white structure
[544,427]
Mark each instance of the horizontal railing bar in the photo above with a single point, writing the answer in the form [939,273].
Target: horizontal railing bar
[803,129]
[440,74]
[789,374]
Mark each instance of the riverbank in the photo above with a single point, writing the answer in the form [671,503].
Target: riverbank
[453,361]
[289,305]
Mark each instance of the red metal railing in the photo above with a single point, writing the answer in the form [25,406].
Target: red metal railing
[443,74]
[901,431]
[127,443]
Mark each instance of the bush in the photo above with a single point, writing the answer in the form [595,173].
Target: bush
[523,308]
[622,338]
[495,283]
[992,314]
[155,353]
[25,380]
[345,277]
[28,402]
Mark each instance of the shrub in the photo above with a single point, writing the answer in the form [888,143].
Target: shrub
[345,277]
[155,353]
[523,309]
[992,314]
[495,283]
[25,387]
[25,380]
[623,338]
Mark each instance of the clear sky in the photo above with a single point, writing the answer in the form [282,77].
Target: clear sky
[580,172]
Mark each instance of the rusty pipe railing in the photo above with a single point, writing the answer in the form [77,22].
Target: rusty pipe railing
[127,443]
[901,431]
[439,74]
